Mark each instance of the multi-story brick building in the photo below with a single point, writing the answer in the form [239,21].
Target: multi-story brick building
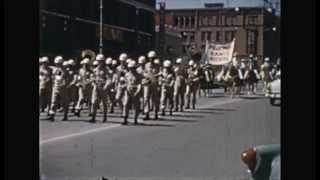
[256,30]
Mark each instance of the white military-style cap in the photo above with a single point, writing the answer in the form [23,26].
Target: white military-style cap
[179,61]
[156,61]
[114,62]
[72,62]
[141,59]
[131,64]
[167,63]
[44,59]
[95,63]
[123,57]
[100,57]
[128,60]
[191,62]
[152,54]
[65,63]
[58,60]
[85,61]
[266,59]
[108,60]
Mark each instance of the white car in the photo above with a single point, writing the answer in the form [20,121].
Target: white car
[274,90]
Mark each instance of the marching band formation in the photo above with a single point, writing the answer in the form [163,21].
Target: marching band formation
[144,86]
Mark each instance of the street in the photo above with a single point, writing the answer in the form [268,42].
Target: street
[205,142]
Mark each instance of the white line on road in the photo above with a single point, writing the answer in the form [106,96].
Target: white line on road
[221,103]
[79,134]
[118,125]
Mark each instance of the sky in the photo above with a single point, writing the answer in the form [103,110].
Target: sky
[177,4]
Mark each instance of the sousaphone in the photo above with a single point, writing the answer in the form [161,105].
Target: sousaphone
[87,53]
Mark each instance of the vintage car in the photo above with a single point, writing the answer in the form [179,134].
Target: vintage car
[263,162]
[274,90]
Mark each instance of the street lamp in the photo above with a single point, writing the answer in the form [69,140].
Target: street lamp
[274,29]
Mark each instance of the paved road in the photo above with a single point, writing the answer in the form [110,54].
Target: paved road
[205,142]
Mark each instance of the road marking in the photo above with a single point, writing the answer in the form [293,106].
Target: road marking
[78,134]
[118,125]
[220,103]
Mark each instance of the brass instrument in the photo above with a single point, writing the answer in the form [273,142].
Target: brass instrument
[88,53]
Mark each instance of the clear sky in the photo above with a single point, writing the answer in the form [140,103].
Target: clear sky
[177,4]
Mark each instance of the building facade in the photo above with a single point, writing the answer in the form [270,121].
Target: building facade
[68,27]
[256,30]
[172,43]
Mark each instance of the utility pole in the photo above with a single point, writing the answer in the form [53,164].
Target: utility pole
[101,28]
[162,27]
[137,36]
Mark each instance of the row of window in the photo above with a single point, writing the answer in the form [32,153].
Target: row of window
[189,21]
[251,43]
[228,36]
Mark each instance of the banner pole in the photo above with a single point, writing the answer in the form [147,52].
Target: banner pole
[204,58]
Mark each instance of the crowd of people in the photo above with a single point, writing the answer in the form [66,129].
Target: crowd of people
[145,85]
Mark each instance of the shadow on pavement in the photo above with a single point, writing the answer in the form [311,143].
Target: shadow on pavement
[177,120]
[149,125]
[217,96]
[253,97]
[201,111]
[186,115]
[208,112]
[216,109]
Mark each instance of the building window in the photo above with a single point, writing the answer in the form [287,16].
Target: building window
[203,47]
[252,20]
[205,21]
[176,21]
[229,35]
[193,22]
[181,21]
[213,21]
[203,36]
[187,21]
[230,20]
[191,38]
[218,34]
[184,37]
[252,37]
[209,36]
[184,49]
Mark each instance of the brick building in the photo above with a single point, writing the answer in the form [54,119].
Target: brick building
[257,30]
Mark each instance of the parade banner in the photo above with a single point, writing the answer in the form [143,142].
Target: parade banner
[219,54]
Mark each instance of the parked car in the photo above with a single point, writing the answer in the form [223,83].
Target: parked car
[274,90]
[263,162]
